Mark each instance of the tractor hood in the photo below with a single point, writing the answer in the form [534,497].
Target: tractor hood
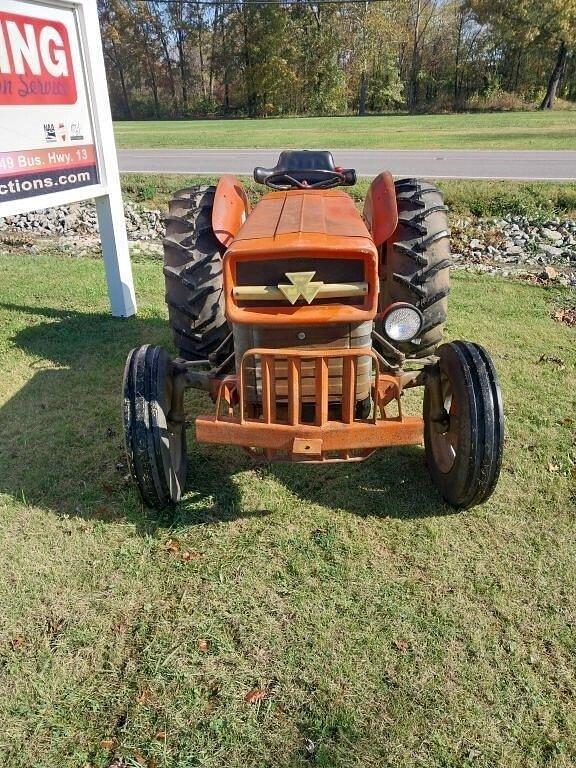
[294,246]
[298,220]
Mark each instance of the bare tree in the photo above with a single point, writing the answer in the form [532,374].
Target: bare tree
[555,76]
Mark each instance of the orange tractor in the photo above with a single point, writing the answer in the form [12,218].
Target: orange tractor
[306,321]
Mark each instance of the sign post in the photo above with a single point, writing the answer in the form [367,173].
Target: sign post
[56,135]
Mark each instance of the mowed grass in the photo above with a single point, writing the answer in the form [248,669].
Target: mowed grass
[539,199]
[384,629]
[502,130]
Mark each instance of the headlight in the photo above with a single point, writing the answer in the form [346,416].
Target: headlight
[402,322]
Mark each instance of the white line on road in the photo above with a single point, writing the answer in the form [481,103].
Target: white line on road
[505,165]
[364,175]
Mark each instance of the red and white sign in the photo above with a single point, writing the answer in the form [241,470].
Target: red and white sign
[56,134]
[35,61]
[46,125]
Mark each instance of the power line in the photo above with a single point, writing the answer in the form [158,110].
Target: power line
[279,3]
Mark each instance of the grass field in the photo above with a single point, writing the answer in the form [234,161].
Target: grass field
[503,130]
[477,198]
[378,628]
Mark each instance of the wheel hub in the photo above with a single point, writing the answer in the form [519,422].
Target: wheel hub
[445,438]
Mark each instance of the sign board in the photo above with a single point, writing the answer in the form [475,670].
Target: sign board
[56,137]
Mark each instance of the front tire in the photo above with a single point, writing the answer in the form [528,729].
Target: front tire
[155,444]
[464,451]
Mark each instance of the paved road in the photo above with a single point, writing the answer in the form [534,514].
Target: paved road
[432,163]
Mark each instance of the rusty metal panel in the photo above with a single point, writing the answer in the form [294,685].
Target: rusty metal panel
[335,436]
[307,447]
[380,208]
[328,212]
[230,210]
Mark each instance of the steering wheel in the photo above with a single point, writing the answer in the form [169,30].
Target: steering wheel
[283,180]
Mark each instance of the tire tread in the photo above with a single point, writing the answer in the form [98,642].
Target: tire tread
[193,277]
[473,477]
[415,264]
[145,371]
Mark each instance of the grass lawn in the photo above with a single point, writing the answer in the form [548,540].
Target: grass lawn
[381,629]
[477,198]
[502,130]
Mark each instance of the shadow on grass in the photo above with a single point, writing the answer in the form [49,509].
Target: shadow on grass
[393,482]
[61,437]
[61,442]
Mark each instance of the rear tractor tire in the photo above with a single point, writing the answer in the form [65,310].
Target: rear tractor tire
[415,265]
[464,446]
[194,281]
[155,443]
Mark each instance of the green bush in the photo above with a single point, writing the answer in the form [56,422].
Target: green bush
[500,198]
[147,192]
[497,101]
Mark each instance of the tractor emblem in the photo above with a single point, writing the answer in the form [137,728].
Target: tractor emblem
[301,285]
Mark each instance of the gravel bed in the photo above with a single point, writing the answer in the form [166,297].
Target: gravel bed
[80,219]
[516,245]
[508,247]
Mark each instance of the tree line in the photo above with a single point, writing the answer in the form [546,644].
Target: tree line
[179,58]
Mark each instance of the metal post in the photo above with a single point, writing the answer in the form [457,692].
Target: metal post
[109,207]
[116,254]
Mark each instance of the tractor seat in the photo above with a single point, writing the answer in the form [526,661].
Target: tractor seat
[304,165]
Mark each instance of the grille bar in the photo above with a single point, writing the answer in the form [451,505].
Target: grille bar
[294,378]
[321,391]
[325,291]
[268,389]
[292,359]
[349,374]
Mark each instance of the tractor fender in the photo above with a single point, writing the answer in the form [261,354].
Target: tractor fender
[230,209]
[380,209]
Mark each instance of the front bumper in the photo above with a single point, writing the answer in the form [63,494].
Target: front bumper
[279,432]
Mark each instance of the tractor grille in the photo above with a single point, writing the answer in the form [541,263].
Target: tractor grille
[295,386]
[271,273]
[322,338]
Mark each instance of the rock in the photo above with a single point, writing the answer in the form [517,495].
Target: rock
[549,273]
[551,234]
[70,220]
[476,245]
[80,219]
[551,251]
